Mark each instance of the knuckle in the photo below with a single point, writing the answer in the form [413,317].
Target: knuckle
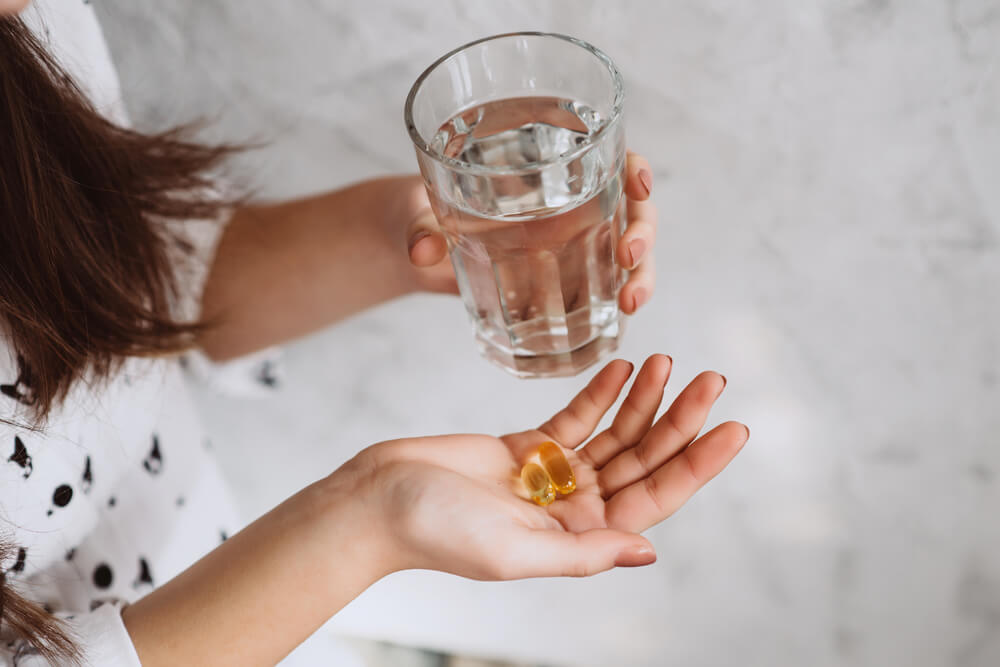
[642,455]
[579,569]
[653,488]
[687,465]
[673,428]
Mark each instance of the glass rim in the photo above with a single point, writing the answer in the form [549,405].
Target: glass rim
[460,165]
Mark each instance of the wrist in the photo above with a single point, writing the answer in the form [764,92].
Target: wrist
[399,201]
[349,514]
[357,231]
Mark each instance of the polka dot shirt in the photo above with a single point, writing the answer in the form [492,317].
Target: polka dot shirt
[119,491]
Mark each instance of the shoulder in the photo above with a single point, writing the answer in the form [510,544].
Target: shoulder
[71,32]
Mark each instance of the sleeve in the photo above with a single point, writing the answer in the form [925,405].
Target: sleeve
[253,376]
[101,638]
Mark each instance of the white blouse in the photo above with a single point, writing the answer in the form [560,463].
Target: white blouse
[119,491]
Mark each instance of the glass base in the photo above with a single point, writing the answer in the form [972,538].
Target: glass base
[562,364]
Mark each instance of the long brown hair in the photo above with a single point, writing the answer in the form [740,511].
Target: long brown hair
[86,275]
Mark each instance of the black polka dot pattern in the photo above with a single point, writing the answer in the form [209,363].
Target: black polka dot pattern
[266,374]
[103,576]
[22,557]
[21,457]
[21,389]
[153,462]
[61,496]
[88,477]
[145,577]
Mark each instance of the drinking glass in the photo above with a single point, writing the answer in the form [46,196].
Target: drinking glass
[521,145]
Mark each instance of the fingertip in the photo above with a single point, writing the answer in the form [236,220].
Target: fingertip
[646,180]
[711,378]
[625,363]
[663,360]
[737,431]
[639,185]
[417,238]
[627,369]
[639,298]
[625,255]
[632,251]
[626,302]
[635,189]
[637,554]
[633,297]
[426,248]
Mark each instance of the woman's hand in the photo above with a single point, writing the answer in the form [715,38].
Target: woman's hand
[451,503]
[284,270]
[432,270]
[455,503]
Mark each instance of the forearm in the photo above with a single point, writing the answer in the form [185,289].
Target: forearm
[266,589]
[282,271]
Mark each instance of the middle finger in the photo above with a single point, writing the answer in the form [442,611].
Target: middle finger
[635,415]
[671,433]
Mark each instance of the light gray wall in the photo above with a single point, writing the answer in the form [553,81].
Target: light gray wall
[827,176]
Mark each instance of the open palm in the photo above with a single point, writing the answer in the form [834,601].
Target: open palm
[457,504]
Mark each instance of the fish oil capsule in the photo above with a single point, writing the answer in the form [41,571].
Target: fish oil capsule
[538,484]
[558,468]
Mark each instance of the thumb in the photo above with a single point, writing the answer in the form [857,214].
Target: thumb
[552,553]
[424,240]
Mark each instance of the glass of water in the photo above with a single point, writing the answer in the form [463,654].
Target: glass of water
[522,148]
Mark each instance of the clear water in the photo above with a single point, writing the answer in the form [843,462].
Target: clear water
[534,253]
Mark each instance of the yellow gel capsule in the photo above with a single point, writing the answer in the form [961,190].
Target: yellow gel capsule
[558,468]
[538,484]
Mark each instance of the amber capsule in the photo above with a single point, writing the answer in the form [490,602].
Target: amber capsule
[558,468]
[538,484]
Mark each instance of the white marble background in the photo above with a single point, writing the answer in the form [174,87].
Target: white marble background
[827,174]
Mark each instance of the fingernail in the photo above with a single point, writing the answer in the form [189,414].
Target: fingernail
[636,555]
[647,180]
[723,380]
[638,297]
[636,249]
[418,237]
[747,429]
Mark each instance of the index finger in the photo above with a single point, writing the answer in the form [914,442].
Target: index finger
[574,423]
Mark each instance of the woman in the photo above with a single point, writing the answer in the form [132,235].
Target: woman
[117,533]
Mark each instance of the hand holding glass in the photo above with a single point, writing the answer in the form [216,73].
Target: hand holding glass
[521,146]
